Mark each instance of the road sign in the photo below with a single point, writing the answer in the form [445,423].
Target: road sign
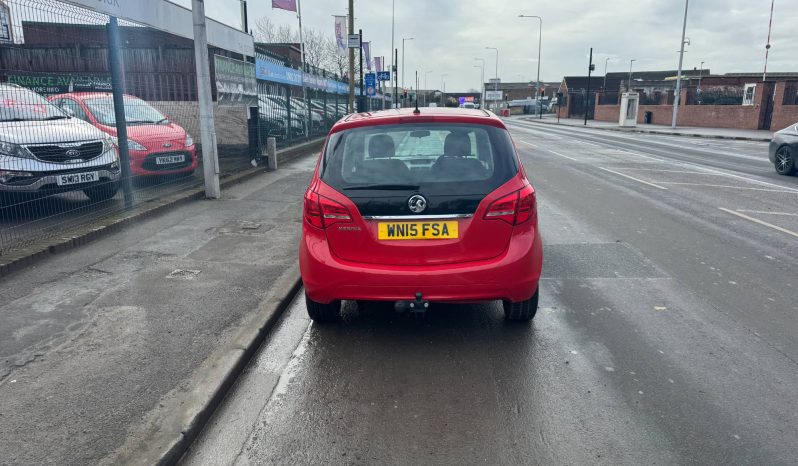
[370,80]
[493,95]
[354,41]
[384,76]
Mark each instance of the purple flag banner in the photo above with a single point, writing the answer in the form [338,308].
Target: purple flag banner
[377,64]
[289,5]
[340,35]
[367,52]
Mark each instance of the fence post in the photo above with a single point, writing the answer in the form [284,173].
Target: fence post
[271,154]
[118,85]
[290,122]
[210,157]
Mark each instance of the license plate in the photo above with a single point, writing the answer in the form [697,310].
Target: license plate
[417,230]
[77,178]
[167,159]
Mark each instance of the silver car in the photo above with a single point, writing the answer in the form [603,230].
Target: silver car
[45,151]
[783,150]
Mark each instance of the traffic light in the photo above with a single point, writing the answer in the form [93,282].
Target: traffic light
[404,93]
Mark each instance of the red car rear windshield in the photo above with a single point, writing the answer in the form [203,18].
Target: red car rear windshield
[475,158]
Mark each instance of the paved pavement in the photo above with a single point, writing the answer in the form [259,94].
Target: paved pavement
[24,223]
[97,341]
[720,133]
[667,332]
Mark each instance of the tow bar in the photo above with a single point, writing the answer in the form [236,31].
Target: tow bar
[419,306]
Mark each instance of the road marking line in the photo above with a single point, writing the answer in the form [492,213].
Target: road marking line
[633,178]
[565,156]
[755,220]
[767,212]
[672,171]
[674,162]
[528,143]
[727,186]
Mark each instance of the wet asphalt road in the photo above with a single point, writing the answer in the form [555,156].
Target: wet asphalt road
[667,334]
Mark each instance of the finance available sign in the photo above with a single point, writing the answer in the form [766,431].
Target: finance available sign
[48,84]
[235,82]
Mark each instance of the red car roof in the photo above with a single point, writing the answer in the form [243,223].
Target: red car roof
[424,115]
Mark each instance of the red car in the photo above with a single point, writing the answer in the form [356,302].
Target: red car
[419,206]
[156,145]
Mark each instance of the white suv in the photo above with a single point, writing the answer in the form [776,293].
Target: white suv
[45,151]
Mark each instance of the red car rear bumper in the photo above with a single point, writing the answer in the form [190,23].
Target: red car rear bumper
[512,276]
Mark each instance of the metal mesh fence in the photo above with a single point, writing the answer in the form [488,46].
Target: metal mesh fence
[719,96]
[60,163]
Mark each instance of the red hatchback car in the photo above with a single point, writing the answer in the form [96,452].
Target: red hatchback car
[156,145]
[419,206]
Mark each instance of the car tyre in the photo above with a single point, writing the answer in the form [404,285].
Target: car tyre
[323,313]
[101,192]
[522,311]
[785,161]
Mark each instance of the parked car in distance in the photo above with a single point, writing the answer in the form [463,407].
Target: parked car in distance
[45,151]
[156,146]
[419,206]
[783,150]
[275,119]
[468,105]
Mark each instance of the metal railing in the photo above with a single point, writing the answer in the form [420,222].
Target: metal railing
[60,162]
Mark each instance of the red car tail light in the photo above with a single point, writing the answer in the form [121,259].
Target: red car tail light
[322,212]
[527,207]
[514,208]
[503,208]
[312,211]
[333,212]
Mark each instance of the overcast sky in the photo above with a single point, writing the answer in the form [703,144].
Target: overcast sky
[728,35]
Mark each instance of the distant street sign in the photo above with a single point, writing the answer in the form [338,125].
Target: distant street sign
[354,41]
[370,80]
[495,80]
[384,76]
[493,95]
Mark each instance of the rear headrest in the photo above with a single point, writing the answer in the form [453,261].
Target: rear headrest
[381,147]
[457,144]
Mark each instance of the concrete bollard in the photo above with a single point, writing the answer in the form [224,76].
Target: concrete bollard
[271,154]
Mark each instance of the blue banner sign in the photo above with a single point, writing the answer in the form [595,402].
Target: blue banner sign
[268,71]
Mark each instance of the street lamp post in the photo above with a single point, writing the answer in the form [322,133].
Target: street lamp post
[604,87]
[393,63]
[403,59]
[678,95]
[482,85]
[496,76]
[426,73]
[540,41]
[700,75]
[443,86]
[629,82]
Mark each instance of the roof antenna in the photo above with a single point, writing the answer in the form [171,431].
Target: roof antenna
[416,111]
